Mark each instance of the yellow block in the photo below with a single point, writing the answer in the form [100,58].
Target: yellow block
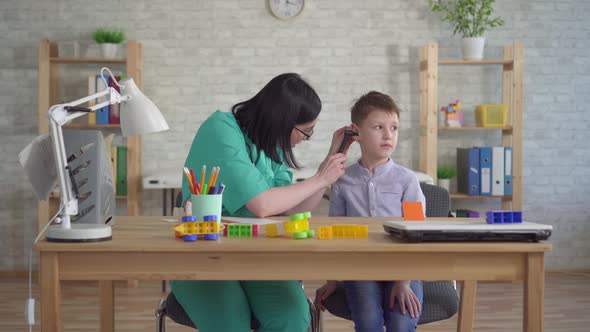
[324,232]
[197,227]
[271,230]
[296,226]
[350,231]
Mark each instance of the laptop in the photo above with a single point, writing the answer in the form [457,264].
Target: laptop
[444,230]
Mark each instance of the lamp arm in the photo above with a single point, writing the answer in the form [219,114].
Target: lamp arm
[58,116]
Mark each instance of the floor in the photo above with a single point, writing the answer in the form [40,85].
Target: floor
[498,308]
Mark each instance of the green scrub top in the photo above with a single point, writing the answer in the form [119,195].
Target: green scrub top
[244,170]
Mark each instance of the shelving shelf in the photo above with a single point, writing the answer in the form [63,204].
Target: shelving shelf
[476,62]
[512,95]
[87,126]
[464,196]
[86,60]
[56,196]
[474,128]
[49,81]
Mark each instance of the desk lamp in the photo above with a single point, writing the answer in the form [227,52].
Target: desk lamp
[139,115]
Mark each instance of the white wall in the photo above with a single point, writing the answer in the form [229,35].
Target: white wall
[200,56]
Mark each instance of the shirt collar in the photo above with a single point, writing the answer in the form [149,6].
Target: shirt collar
[379,170]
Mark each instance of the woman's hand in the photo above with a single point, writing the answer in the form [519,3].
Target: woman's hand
[331,169]
[323,293]
[337,138]
[406,298]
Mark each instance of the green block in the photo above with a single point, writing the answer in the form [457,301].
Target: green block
[300,235]
[245,230]
[233,231]
[297,216]
[307,214]
[311,233]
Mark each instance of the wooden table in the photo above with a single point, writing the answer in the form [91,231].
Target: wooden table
[144,248]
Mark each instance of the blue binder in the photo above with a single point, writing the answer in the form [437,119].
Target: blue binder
[468,167]
[485,170]
[102,115]
[508,170]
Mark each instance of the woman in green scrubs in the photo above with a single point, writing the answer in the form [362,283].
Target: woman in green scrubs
[253,145]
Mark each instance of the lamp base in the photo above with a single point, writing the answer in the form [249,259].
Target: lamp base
[79,233]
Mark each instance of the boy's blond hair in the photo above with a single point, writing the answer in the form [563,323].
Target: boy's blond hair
[370,102]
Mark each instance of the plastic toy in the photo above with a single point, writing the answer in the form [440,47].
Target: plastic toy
[241,230]
[343,232]
[297,227]
[413,211]
[191,228]
[453,114]
[504,217]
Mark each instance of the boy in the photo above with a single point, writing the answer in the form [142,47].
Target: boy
[375,187]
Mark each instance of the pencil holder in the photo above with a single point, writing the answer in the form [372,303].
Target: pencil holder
[207,205]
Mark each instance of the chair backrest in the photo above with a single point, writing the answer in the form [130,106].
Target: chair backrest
[438,201]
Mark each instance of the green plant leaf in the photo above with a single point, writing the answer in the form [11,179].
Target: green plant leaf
[103,35]
[446,172]
[470,18]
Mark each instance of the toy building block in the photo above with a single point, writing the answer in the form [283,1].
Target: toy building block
[413,211]
[325,232]
[239,230]
[296,226]
[190,238]
[255,230]
[197,228]
[504,217]
[271,230]
[350,231]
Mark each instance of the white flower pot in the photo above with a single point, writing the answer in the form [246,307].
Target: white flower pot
[473,48]
[109,50]
[445,183]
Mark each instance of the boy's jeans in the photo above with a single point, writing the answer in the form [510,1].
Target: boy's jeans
[369,304]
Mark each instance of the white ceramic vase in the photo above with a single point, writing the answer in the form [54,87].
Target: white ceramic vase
[473,48]
[445,183]
[109,50]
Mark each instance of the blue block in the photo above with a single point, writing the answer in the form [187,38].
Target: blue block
[190,238]
[211,237]
[210,218]
[189,218]
[503,217]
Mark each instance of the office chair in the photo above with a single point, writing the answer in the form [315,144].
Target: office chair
[440,297]
[169,307]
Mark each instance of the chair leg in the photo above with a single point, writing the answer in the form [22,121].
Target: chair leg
[161,316]
[315,324]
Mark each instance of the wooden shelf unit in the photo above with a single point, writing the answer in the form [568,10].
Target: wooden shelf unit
[512,95]
[49,64]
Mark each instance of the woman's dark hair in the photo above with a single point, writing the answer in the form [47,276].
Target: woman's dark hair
[270,116]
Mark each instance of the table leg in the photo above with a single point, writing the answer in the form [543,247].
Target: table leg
[164,203]
[534,287]
[106,294]
[50,292]
[467,306]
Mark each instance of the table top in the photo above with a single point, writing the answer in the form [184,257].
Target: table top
[152,234]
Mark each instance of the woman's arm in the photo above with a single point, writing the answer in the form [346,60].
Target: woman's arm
[314,200]
[300,196]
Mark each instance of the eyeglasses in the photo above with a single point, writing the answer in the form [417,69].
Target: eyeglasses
[307,136]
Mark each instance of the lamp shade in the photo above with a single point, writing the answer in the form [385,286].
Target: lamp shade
[139,115]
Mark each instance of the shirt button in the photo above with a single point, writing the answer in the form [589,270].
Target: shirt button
[371,184]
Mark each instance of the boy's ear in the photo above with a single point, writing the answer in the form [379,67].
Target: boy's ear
[355,128]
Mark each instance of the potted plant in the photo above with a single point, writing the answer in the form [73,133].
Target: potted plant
[109,41]
[444,175]
[470,18]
